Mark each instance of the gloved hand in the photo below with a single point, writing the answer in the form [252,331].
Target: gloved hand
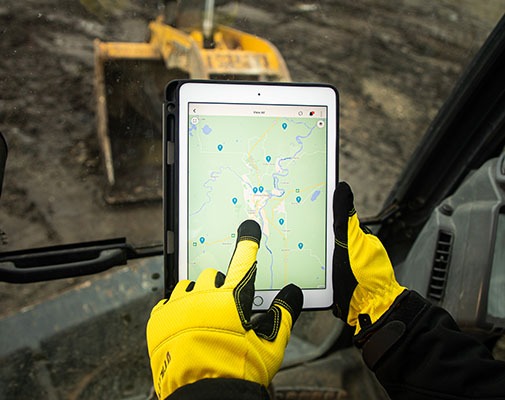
[205,330]
[364,283]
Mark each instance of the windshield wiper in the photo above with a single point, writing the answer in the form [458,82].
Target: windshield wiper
[71,260]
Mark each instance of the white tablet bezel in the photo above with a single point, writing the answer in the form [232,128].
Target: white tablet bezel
[268,94]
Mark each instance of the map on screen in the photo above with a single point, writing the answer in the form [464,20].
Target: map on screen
[271,168]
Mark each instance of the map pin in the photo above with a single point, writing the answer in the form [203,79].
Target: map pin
[298,199]
[284,125]
[234,200]
[220,147]
[261,188]
[268,158]
[300,245]
[255,189]
[281,221]
[202,239]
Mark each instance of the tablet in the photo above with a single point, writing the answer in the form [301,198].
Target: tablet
[261,151]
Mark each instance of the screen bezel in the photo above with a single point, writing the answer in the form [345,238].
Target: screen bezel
[267,94]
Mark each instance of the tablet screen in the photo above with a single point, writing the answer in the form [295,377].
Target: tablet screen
[261,162]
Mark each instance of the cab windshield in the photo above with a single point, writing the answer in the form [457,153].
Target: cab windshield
[81,86]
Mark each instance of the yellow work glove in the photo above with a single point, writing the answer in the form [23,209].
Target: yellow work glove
[364,283]
[205,329]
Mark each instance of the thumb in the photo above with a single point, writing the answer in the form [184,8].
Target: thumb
[282,314]
[343,208]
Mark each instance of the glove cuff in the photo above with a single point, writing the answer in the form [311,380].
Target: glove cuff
[378,338]
[221,389]
[367,306]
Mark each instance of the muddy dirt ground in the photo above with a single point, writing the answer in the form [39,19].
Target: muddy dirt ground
[393,63]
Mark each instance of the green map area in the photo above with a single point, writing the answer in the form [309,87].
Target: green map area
[269,169]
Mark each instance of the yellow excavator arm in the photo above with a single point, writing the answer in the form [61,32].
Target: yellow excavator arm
[129,82]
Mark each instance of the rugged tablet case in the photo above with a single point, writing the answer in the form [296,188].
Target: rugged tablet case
[170,130]
[170,127]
